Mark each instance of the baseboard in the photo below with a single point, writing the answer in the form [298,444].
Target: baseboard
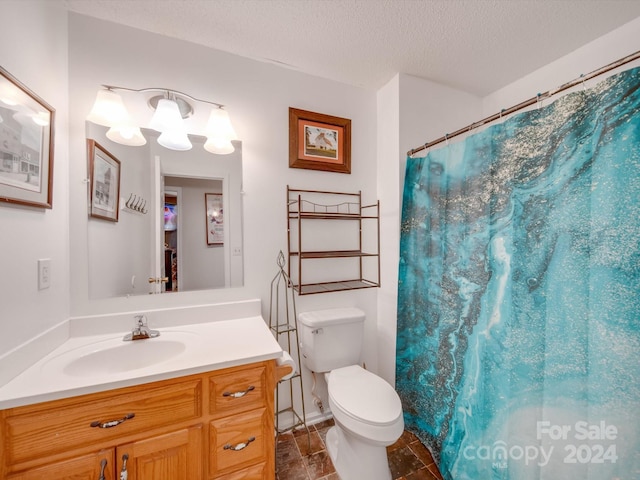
[310,420]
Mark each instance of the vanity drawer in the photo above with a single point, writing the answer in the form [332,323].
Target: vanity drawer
[237,442]
[255,472]
[238,390]
[60,426]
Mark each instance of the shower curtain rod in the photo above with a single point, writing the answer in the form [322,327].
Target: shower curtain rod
[538,98]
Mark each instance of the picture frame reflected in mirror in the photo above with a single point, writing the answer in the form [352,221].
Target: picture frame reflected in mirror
[104,177]
[215,218]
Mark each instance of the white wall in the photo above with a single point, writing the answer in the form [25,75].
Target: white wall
[257,96]
[33,48]
[603,51]
[411,112]
[389,166]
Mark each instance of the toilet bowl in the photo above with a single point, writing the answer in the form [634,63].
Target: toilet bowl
[368,416]
[367,410]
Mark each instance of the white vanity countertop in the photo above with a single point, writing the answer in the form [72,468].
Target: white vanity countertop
[194,348]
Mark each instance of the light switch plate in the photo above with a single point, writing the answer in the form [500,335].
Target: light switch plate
[44,273]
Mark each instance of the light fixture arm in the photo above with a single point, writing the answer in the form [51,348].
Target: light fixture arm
[163,91]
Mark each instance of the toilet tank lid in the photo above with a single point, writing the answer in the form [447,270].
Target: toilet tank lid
[332,316]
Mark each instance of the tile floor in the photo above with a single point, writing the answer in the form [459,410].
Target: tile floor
[297,460]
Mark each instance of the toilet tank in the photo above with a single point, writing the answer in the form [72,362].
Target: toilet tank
[331,339]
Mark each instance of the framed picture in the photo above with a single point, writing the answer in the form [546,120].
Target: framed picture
[215,218]
[26,145]
[104,172]
[319,142]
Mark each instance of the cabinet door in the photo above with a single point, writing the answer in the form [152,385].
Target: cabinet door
[172,456]
[88,467]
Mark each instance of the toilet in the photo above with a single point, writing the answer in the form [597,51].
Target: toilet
[366,409]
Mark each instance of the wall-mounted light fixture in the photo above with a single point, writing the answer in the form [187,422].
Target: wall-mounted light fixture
[172,110]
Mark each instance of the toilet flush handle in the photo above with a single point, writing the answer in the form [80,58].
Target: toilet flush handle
[317,331]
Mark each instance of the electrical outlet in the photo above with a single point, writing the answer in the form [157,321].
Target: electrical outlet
[237,251]
[44,273]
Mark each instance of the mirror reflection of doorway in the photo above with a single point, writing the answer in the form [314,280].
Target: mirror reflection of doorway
[200,265]
[171,243]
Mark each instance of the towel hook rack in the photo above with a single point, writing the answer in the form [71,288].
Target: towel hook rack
[136,204]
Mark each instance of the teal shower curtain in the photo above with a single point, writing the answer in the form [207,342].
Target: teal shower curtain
[518,348]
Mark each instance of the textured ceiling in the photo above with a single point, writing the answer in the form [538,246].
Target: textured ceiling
[475,45]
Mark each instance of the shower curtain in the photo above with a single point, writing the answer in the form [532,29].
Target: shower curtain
[518,348]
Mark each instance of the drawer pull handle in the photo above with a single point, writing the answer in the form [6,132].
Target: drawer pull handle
[103,465]
[239,446]
[239,394]
[112,423]
[123,473]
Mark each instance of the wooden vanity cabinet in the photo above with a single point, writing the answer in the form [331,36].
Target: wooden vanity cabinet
[214,425]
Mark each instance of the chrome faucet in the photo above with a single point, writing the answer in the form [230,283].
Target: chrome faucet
[141,330]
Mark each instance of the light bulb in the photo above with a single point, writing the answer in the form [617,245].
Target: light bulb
[108,109]
[126,134]
[219,125]
[220,132]
[175,140]
[219,146]
[167,116]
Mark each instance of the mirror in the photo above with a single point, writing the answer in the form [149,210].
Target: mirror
[165,240]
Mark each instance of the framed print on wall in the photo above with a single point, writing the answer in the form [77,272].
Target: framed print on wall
[319,142]
[215,218]
[104,173]
[26,145]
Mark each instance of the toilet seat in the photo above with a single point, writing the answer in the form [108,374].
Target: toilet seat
[364,397]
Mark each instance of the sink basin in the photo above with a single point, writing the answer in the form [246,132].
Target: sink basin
[113,355]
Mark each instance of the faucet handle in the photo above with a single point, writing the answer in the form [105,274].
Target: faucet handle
[141,320]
